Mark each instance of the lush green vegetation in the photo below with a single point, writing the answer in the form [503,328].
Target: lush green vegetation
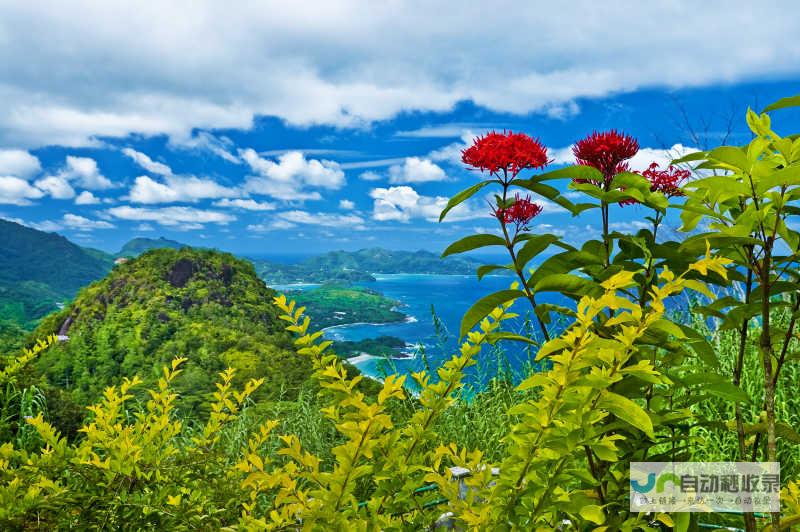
[334,304]
[137,246]
[620,379]
[383,346]
[38,270]
[360,265]
[209,307]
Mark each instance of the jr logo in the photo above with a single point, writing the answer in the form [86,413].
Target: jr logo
[647,486]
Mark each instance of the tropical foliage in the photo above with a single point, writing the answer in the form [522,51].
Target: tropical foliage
[627,379]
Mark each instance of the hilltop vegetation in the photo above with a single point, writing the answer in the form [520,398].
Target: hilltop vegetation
[38,270]
[334,304]
[207,306]
[360,265]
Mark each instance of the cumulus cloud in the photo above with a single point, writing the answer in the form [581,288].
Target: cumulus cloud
[56,186]
[205,141]
[16,191]
[346,205]
[332,63]
[416,170]
[246,204]
[291,177]
[369,175]
[86,198]
[171,216]
[80,223]
[273,225]
[322,218]
[403,203]
[147,163]
[177,189]
[77,171]
[18,163]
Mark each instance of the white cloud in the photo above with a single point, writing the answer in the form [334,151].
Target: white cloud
[56,186]
[84,172]
[145,227]
[346,205]
[246,204]
[73,221]
[452,152]
[170,216]
[86,198]
[16,191]
[416,170]
[274,225]
[48,226]
[645,156]
[332,63]
[78,171]
[177,189]
[204,141]
[403,203]
[370,176]
[18,163]
[291,176]
[324,219]
[147,163]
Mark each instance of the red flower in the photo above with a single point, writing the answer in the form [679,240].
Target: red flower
[508,153]
[520,213]
[607,152]
[668,181]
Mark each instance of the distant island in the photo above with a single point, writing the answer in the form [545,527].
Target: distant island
[137,246]
[332,304]
[353,266]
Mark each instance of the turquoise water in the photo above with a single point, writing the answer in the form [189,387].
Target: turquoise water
[450,296]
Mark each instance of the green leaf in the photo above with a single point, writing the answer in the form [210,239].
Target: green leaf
[463,196]
[783,103]
[473,242]
[493,338]
[566,284]
[486,269]
[575,171]
[727,391]
[690,157]
[553,195]
[535,245]
[628,411]
[593,513]
[699,344]
[731,156]
[484,306]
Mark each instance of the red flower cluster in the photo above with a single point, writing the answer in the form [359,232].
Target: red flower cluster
[520,213]
[508,153]
[606,151]
[668,181]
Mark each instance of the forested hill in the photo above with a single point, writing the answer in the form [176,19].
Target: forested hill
[137,246]
[39,270]
[205,305]
[360,265]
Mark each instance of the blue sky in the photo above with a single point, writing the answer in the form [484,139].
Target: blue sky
[278,132]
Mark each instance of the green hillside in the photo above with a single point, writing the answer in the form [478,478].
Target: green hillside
[137,246]
[38,270]
[204,305]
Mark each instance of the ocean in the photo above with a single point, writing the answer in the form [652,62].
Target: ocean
[428,346]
